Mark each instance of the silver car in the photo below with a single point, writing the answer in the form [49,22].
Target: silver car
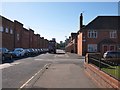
[19,52]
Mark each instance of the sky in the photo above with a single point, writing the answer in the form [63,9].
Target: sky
[56,19]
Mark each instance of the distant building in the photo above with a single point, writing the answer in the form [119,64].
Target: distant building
[71,43]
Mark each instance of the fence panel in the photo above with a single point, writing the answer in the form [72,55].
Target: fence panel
[111,67]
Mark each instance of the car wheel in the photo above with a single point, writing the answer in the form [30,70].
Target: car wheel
[11,57]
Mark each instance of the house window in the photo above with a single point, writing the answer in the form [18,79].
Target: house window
[113,34]
[11,31]
[92,47]
[18,37]
[1,29]
[92,34]
[112,47]
[6,30]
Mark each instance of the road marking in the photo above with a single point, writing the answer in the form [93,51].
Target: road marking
[15,63]
[6,65]
[61,55]
[26,83]
[39,59]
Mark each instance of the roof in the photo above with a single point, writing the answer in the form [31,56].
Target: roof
[107,41]
[104,22]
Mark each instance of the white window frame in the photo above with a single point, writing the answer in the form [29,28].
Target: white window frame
[1,29]
[11,31]
[110,46]
[92,47]
[92,34]
[113,34]
[18,36]
[6,30]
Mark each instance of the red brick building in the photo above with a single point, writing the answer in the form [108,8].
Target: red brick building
[31,34]
[42,42]
[38,40]
[14,35]
[18,32]
[25,38]
[71,46]
[100,35]
[46,43]
[7,33]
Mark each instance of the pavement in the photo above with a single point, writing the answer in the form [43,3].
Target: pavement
[64,76]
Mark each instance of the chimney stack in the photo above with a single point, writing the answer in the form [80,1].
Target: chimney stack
[81,20]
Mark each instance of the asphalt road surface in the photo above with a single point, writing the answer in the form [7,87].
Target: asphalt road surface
[15,74]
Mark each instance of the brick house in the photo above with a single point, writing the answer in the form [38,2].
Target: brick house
[7,33]
[18,32]
[71,46]
[14,35]
[31,34]
[25,38]
[42,42]
[38,40]
[46,43]
[100,35]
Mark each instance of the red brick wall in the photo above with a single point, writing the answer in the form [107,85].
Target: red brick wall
[18,27]
[79,44]
[42,42]
[35,41]
[20,37]
[100,78]
[31,34]
[7,38]
[46,43]
[101,35]
[69,47]
[38,41]
[25,38]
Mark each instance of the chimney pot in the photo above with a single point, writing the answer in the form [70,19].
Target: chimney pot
[81,21]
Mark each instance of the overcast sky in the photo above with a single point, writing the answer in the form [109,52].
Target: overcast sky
[56,19]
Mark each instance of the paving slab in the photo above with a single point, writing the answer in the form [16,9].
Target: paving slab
[64,76]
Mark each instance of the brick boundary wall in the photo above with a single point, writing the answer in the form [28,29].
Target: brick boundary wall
[100,78]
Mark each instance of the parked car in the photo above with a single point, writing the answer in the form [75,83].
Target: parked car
[113,56]
[19,52]
[5,54]
[27,52]
[36,51]
[42,51]
[32,51]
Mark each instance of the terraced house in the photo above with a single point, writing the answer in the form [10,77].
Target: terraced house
[14,35]
[72,43]
[100,35]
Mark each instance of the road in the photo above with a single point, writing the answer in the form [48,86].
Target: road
[15,74]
